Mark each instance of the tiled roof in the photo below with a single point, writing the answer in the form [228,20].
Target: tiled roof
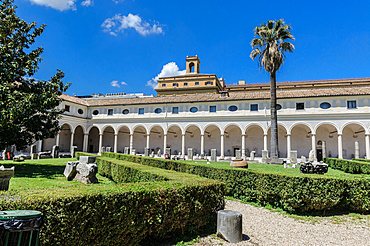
[251,95]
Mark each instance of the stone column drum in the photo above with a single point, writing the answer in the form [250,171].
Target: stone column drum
[229,226]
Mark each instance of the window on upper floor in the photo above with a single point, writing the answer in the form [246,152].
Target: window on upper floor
[175,85]
[351,104]
[193,109]
[185,84]
[254,107]
[67,108]
[196,83]
[278,106]
[158,111]
[125,111]
[80,111]
[95,112]
[141,110]
[212,109]
[110,111]
[325,105]
[209,83]
[233,108]
[163,85]
[299,106]
[175,110]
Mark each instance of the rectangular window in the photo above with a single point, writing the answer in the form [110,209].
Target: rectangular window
[175,110]
[185,84]
[299,106]
[254,107]
[66,108]
[209,83]
[141,111]
[196,83]
[351,104]
[175,84]
[163,85]
[110,111]
[212,109]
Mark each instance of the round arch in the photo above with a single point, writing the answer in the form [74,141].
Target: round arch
[93,140]
[298,123]
[353,135]
[212,139]
[254,133]
[282,140]
[232,139]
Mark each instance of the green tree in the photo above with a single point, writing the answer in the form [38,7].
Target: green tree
[270,45]
[28,107]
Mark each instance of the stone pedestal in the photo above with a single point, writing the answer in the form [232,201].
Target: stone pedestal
[5,175]
[253,153]
[190,154]
[86,173]
[168,151]
[4,155]
[73,151]
[133,152]
[146,151]
[229,226]
[126,151]
[275,161]
[264,156]
[108,149]
[293,156]
[303,159]
[103,149]
[70,170]
[213,154]
[357,150]
[238,154]
[323,149]
[311,156]
[159,153]
[33,152]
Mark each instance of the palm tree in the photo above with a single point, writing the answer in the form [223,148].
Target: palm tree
[270,44]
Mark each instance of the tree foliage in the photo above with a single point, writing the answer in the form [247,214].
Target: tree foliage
[28,107]
[270,45]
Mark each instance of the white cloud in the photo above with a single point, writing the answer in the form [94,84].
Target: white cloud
[87,3]
[170,69]
[115,83]
[119,23]
[118,1]
[57,4]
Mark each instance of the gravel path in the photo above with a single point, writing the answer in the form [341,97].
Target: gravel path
[263,227]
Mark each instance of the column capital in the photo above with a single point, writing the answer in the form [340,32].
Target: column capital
[243,134]
[313,134]
[367,134]
[86,134]
[340,134]
[183,134]
[288,135]
[116,134]
[101,134]
[165,135]
[222,135]
[265,135]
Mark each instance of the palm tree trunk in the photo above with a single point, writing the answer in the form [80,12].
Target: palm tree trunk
[274,125]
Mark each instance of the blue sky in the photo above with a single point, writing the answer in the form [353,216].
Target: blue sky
[128,43]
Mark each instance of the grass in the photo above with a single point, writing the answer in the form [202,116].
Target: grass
[280,169]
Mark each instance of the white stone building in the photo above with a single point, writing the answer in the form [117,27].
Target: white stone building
[199,111]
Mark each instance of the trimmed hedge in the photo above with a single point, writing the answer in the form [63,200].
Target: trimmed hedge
[356,166]
[122,214]
[290,192]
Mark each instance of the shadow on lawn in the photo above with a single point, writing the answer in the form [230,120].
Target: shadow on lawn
[36,171]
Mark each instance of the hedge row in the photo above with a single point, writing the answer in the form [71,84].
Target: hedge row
[356,166]
[122,214]
[290,192]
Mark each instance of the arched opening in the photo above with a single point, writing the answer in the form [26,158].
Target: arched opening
[123,139]
[282,141]
[139,139]
[191,67]
[233,140]
[254,140]
[329,134]
[78,139]
[301,140]
[174,136]
[212,140]
[156,140]
[93,143]
[108,138]
[353,133]
[192,139]
[64,138]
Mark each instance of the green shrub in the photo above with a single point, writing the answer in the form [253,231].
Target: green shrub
[287,191]
[122,214]
[356,166]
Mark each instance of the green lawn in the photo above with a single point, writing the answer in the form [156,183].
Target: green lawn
[280,169]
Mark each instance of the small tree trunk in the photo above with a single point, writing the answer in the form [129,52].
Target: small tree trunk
[274,125]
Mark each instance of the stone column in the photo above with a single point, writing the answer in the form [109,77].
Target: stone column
[288,145]
[357,150]
[147,140]
[265,142]
[40,146]
[323,149]
[367,146]
[183,146]
[243,146]
[86,142]
[131,143]
[313,139]
[57,139]
[100,142]
[115,142]
[164,143]
[340,146]
[222,147]
[202,144]
[72,140]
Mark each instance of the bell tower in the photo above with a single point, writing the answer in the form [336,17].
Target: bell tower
[192,64]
